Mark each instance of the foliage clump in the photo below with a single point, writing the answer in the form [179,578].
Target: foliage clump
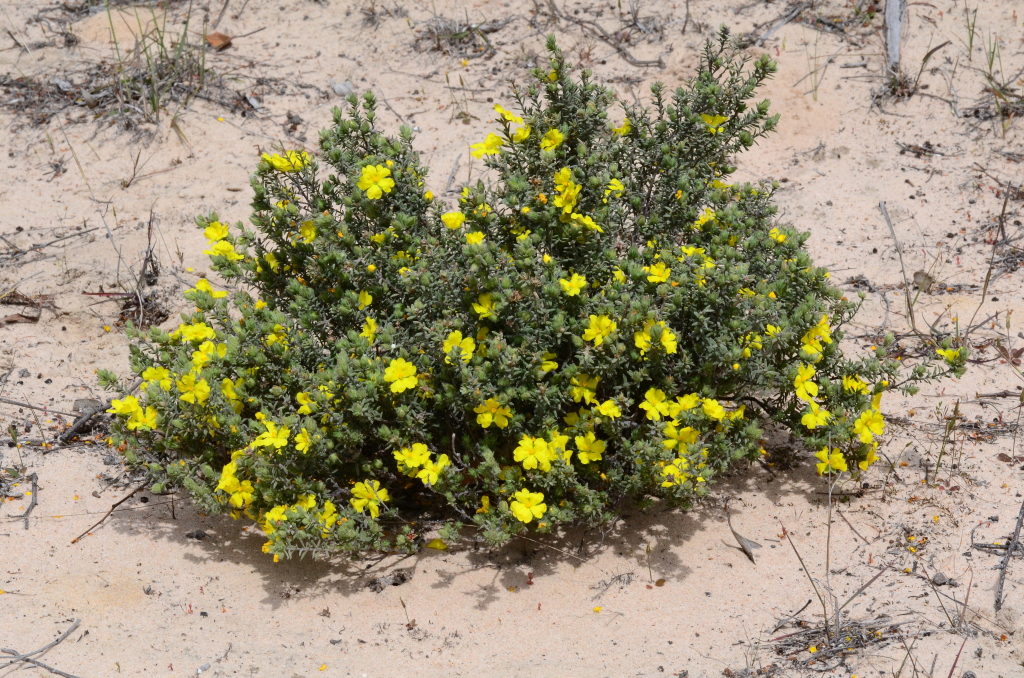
[607,318]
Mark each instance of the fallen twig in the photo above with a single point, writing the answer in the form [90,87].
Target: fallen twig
[27,656]
[63,438]
[47,410]
[851,526]
[602,35]
[35,494]
[899,251]
[1003,566]
[107,514]
[794,13]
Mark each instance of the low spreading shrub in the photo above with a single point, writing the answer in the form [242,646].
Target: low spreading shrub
[605,318]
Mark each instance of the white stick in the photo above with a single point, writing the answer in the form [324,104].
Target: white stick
[895,11]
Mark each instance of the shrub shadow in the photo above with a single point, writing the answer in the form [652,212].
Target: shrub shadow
[667,531]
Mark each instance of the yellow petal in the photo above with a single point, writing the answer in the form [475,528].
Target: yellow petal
[437,544]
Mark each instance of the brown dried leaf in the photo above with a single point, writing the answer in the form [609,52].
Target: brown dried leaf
[746,545]
[19,318]
[218,41]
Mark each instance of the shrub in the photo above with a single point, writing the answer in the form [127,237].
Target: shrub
[607,318]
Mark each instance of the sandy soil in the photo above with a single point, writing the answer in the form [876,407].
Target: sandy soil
[155,596]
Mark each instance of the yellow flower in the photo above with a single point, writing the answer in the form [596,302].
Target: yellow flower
[614,186]
[559,444]
[203,285]
[485,306]
[609,409]
[378,238]
[521,134]
[308,231]
[474,238]
[222,248]
[584,387]
[623,130]
[485,505]
[855,384]
[492,412]
[528,505]
[143,420]
[508,115]
[279,335]
[368,494]
[677,437]
[432,470]
[273,518]
[805,388]
[271,259]
[489,146]
[551,140]
[228,482]
[619,276]
[590,449]
[193,391]
[949,354]
[241,496]
[548,363]
[206,352]
[674,472]
[401,374]
[642,339]
[365,299]
[776,235]
[533,453]
[566,189]
[772,330]
[215,231]
[369,330]
[868,423]
[816,416]
[830,463]
[600,328]
[273,437]
[586,222]
[751,341]
[876,400]
[683,404]
[376,181]
[157,375]
[411,458]
[574,285]
[453,220]
[712,409]
[292,161]
[815,337]
[227,387]
[428,196]
[658,273]
[870,459]
[655,404]
[455,340]
[714,122]
[302,441]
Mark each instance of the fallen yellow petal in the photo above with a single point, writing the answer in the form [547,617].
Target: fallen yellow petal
[436,544]
[597,609]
